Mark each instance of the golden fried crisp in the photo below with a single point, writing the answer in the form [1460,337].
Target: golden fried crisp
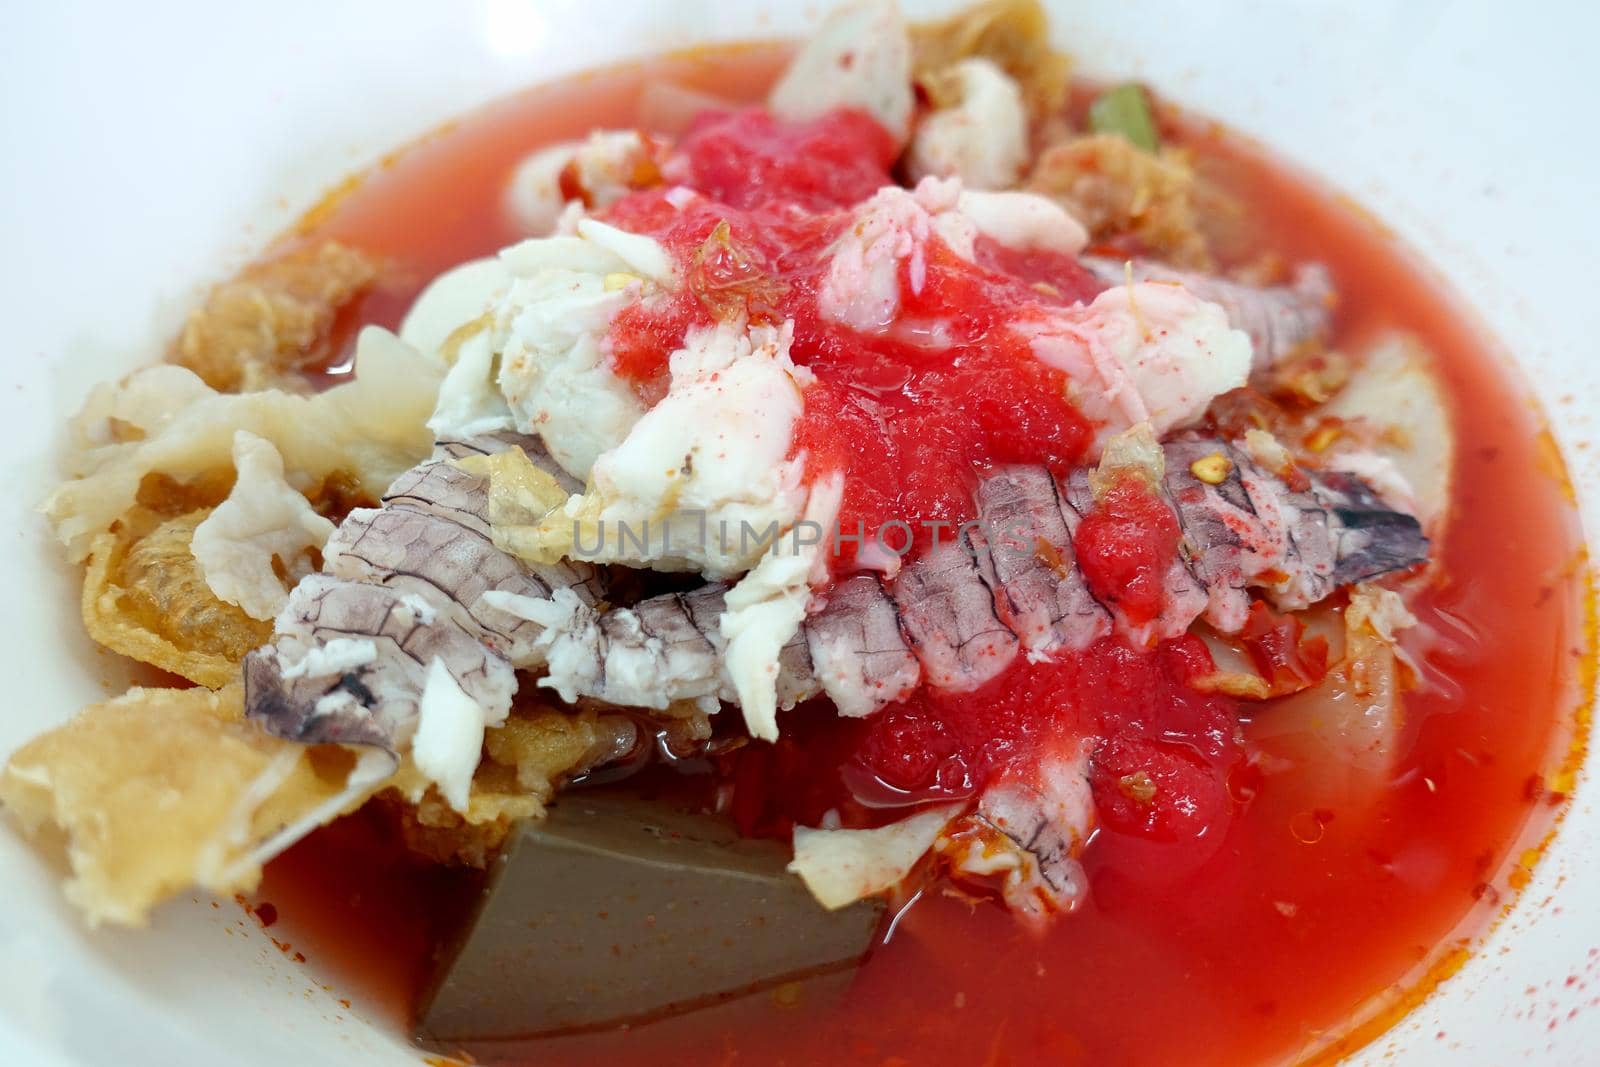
[161,789]
[168,497]
[1015,34]
[432,828]
[546,745]
[145,597]
[274,319]
[528,757]
[1118,190]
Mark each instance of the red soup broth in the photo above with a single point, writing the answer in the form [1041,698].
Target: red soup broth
[1297,931]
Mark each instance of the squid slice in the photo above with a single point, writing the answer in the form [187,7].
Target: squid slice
[859,57]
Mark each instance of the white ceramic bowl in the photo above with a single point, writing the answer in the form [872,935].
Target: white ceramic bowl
[149,149]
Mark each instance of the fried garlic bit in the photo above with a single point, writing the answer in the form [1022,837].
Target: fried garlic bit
[1118,190]
[275,319]
[162,789]
[1308,375]
[524,503]
[1212,469]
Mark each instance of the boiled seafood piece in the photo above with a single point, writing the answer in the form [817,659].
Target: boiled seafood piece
[403,589]
[1277,318]
[957,616]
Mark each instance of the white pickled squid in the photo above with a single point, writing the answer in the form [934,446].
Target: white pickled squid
[524,338]
[446,310]
[891,235]
[1278,319]
[1145,352]
[701,480]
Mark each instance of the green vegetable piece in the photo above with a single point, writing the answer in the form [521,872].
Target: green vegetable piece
[1125,110]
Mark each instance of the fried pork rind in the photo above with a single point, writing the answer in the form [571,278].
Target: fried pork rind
[260,329]
[1014,34]
[145,597]
[1119,191]
[165,421]
[161,789]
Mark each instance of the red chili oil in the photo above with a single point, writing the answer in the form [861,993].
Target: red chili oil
[1253,922]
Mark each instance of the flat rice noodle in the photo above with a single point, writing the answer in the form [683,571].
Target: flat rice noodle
[1336,744]
[1396,394]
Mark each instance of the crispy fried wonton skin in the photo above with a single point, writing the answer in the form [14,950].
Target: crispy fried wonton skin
[274,319]
[145,597]
[160,789]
